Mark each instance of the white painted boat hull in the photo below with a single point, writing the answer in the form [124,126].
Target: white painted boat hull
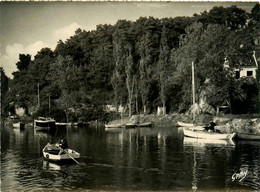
[67,155]
[207,135]
[114,126]
[198,142]
[184,124]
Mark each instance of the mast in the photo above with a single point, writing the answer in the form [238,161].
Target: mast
[193,90]
[49,101]
[38,95]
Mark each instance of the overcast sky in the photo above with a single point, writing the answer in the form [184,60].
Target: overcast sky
[26,27]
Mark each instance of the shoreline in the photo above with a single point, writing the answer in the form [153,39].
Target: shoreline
[249,124]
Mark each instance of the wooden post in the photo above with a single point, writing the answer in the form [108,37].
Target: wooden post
[193,90]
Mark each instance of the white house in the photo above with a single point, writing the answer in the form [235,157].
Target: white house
[246,71]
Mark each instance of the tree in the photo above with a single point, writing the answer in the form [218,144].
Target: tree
[120,38]
[231,17]
[130,78]
[209,48]
[4,89]
[24,62]
[162,66]
[145,71]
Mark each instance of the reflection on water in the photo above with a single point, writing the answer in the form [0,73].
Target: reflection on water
[117,159]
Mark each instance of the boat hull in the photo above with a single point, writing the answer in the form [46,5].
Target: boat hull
[130,125]
[204,142]
[207,135]
[114,126]
[44,124]
[248,136]
[185,124]
[148,124]
[52,153]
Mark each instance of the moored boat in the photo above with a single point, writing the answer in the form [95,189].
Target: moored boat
[195,127]
[130,125]
[61,125]
[207,135]
[246,136]
[182,124]
[147,124]
[205,142]
[44,124]
[18,125]
[53,152]
[114,125]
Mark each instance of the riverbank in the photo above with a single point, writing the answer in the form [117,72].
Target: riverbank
[225,123]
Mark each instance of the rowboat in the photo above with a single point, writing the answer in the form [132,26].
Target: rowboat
[198,142]
[147,124]
[53,152]
[114,125]
[207,135]
[130,125]
[185,124]
[195,127]
[44,124]
[245,136]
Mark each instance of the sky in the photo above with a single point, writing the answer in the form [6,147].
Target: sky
[27,27]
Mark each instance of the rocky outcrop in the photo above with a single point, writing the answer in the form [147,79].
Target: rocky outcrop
[202,107]
[238,125]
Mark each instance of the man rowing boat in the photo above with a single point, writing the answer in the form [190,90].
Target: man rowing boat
[63,144]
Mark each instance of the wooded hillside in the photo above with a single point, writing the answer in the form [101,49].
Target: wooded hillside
[141,65]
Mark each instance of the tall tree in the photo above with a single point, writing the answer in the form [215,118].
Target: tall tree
[162,67]
[4,89]
[120,38]
[130,77]
[145,68]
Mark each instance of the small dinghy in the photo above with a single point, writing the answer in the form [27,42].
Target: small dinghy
[54,152]
[189,132]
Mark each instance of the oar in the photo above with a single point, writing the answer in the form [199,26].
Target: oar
[70,155]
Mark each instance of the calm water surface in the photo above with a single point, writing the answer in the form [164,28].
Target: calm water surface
[126,159]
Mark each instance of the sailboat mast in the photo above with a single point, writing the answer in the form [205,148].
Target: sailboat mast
[49,101]
[38,95]
[193,90]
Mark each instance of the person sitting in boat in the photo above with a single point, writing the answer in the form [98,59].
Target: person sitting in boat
[63,144]
[211,127]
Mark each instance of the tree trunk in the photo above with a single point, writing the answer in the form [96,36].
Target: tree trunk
[130,108]
[145,109]
[136,105]
[164,108]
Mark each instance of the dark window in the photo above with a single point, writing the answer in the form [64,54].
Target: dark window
[237,74]
[249,73]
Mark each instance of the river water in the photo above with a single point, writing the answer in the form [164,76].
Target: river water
[127,159]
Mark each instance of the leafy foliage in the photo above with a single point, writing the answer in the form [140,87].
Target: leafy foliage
[141,64]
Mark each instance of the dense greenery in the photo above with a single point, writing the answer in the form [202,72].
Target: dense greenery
[141,65]
[4,89]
